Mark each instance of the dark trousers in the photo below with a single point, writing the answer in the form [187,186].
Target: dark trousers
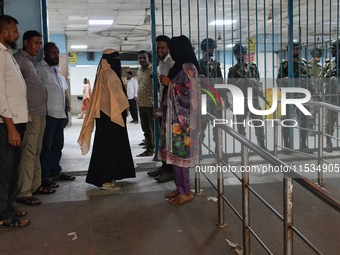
[147,124]
[133,109]
[9,163]
[53,143]
[302,121]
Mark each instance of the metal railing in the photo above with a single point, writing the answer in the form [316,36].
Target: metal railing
[288,177]
[321,106]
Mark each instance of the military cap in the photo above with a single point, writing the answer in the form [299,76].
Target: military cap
[238,46]
[208,41]
[296,43]
[335,43]
[316,53]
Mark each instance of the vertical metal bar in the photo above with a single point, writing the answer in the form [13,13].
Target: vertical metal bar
[154,70]
[288,215]
[320,147]
[276,133]
[46,35]
[220,180]
[180,17]
[290,64]
[245,202]
[163,32]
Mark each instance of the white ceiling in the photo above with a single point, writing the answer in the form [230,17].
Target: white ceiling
[71,18]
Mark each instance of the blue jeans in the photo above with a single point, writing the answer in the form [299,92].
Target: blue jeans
[53,143]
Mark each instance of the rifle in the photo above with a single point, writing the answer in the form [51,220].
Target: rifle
[254,86]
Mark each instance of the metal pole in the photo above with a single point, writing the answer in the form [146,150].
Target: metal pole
[276,126]
[320,149]
[288,215]
[245,202]
[220,180]
[197,183]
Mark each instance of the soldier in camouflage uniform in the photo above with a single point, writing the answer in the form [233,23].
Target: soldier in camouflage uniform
[241,75]
[315,70]
[211,74]
[332,91]
[303,80]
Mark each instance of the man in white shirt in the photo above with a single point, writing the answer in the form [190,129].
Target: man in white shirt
[13,119]
[53,140]
[163,173]
[131,90]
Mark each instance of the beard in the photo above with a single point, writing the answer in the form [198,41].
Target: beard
[13,45]
[51,62]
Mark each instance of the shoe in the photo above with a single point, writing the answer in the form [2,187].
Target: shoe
[304,148]
[144,147]
[329,147]
[145,154]
[154,173]
[136,122]
[49,183]
[15,222]
[141,144]
[44,191]
[172,194]
[29,201]
[181,199]
[112,186]
[286,151]
[132,121]
[63,176]
[165,177]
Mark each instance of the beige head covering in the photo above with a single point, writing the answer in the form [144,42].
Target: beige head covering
[107,96]
[109,51]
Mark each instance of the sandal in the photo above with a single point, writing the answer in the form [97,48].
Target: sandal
[15,222]
[112,186]
[181,199]
[145,154]
[29,201]
[19,213]
[44,191]
[63,176]
[48,183]
[172,194]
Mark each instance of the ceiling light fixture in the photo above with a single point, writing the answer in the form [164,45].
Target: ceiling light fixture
[219,37]
[222,22]
[100,22]
[147,17]
[78,46]
[125,38]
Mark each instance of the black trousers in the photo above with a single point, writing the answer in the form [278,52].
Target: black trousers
[9,163]
[133,109]
[147,123]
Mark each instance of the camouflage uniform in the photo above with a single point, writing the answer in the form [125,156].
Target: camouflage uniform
[249,70]
[315,70]
[301,79]
[332,92]
[211,75]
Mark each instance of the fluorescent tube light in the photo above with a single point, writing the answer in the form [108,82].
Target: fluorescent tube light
[222,22]
[78,46]
[100,22]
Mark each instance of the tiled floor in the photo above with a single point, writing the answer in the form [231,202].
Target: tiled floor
[81,219]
